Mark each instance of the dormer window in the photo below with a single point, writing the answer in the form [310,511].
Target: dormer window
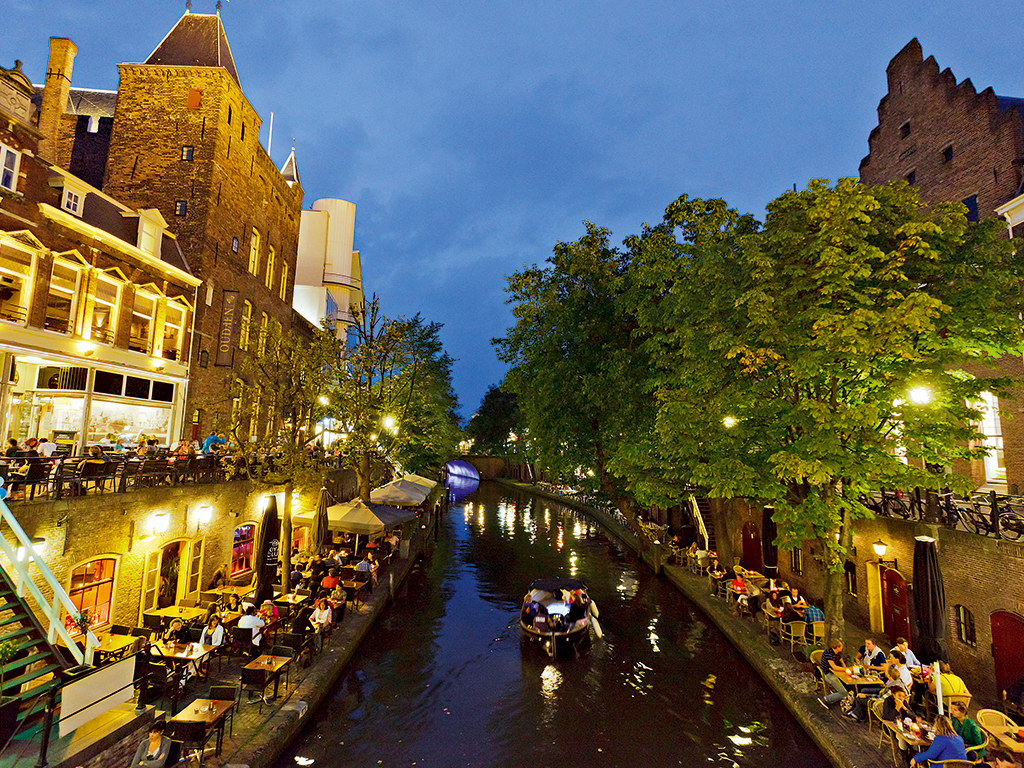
[73,197]
[151,231]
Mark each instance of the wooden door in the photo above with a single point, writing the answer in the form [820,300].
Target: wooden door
[1007,642]
[150,582]
[195,570]
[895,605]
[752,559]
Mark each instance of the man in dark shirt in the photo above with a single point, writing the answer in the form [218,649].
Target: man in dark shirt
[832,663]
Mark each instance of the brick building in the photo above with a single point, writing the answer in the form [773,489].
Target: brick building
[184,140]
[956,144]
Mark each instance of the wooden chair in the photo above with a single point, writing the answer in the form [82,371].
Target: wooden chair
[952,763]
[978,748]
[875,713]
[818,679]
[152,623]
[794,631]
[254,680]
[189,733]
[291,653]
[947,699]
[144,632]
[226,693]
[187,602]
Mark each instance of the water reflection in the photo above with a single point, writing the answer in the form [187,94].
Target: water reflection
[445,678]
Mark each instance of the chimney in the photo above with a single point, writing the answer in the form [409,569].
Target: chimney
[55,94]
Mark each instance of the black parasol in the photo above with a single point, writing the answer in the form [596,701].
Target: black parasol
[267,551]
[318,532]
[769,552]
[929,602]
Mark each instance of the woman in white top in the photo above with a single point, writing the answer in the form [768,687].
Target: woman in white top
[321,616]
[213,632]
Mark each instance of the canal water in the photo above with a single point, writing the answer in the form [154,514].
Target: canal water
[444,678]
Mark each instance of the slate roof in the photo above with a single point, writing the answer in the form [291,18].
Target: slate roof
[197,40]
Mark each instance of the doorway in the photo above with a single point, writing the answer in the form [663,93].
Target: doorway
[895,605]
[752,559]
[1007,641]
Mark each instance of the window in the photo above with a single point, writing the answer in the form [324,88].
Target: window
[796,561]
[244,326]
[104,309]
[972,208]
[254,424]
[180,207]
[243,131]
[150,236]
[261,342]
[236,403]
[254,252]
[187,152]
[92,589]
[234,245]
[195,98]
[241,551]
[71,201]
[10,159]
[174,322]
[905,129]
[271,257]
[140,333]
[965,627]
[947,154]
[229,114]
[284,283]
[990,427]
[15,285]
[61,303]
[912,178]
[850,569]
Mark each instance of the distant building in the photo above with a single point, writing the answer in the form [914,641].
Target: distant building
[96,300]
[184,140]
[328,278]
[954,143]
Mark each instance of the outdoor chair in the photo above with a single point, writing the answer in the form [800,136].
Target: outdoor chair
[187,602]
[191,733]
[143,632]
[973,752]
[241,641]
[818,679]
[291,653]
[254,680]
[226,693]
[931,704]
[119,629]
[155,623]
[992,720]
[818,630]
[208,597]
[875,713]
[794,632]
[303,646]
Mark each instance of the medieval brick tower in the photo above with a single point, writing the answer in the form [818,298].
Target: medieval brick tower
[185,140]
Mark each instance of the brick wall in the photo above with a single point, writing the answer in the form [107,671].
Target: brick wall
[120,753]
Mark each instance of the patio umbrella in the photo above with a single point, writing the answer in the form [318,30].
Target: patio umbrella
[268,541]
[400,492]
[929,602]
[420,480]
[769,552]
[318,531]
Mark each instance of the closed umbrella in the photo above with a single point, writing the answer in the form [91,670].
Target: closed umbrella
[318,531]
[268,542]
[929,602]
[769,552]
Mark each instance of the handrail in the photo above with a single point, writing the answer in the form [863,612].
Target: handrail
[700,521]
[61,599]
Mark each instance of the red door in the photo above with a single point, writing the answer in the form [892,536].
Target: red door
[752,549]
[895,605]
[1007,642]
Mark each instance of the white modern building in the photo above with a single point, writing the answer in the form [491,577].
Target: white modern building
[328,278]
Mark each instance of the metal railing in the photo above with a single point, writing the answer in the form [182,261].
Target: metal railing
[51,609]
[700,520]
[986,514]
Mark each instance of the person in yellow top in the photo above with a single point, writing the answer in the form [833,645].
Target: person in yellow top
[950,683]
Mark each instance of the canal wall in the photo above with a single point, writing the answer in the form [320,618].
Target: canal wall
[843,747]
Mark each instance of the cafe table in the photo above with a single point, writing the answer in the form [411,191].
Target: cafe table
[1007,738]
[234,589]
[175,656]
[108,647]
[210,713]
[352,590]
[185,613]
[913,739]
[856,681]
[262,670]
[292,599]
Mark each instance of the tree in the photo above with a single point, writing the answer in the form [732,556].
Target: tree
[794,363]
[495,428]
[575,364]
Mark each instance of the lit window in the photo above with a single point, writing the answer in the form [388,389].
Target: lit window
[92,590]
[965,627]
[234,245]
[150,235]
[174,322]
[10,159]
[254,253]
[15,285]
[244,326]
[271,257]
[61,304]
[140,334]
[180,207]
[284,282]
[241,550]
[796,561]
[187,153]
[104,309]
[261,342]
[254,424]
[990,427]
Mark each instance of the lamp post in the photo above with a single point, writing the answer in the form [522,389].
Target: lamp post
[881,548]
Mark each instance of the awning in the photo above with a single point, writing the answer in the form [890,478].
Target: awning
[358,517]
[401,492]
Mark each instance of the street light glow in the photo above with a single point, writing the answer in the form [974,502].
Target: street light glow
[323,400]
[920,395]
[729,422]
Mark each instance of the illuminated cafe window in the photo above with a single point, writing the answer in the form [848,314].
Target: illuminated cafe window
[104,309]
[92,589]
[241,550]
[174,321]
[990,427]
[15,285]
[141,332]
[62,301]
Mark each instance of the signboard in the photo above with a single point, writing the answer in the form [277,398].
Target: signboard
[95,694]
[228,320]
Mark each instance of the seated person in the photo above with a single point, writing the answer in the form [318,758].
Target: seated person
[364,568]
[871,656]
[295,576]
[153,751]
[321,617]
[897,660]
[950,683]
[966,728]
[268,612]
[529,610]
[213,632]
[796,600]
[300,620]
[338,600]
[812,613]
[577,611]
[253,622]
[997,758]
[865,697]
[789,613]
[896,708]
[231,602]
[773,604]
[176,633]
[908,655]
[330,581]
[947,745]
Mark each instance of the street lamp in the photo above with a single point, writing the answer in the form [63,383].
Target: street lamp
[729,422]
[880,548]
[205,514]
[920,395]
[161,522]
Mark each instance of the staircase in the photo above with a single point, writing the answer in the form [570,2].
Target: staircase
[700,509]
[34,660]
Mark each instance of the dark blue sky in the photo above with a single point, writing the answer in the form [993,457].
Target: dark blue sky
[472,136]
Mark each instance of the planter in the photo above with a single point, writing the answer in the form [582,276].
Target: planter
[9,707]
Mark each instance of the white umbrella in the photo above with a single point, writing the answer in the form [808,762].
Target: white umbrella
[420,480]
[400,492]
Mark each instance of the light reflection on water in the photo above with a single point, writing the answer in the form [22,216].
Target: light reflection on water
[444,678]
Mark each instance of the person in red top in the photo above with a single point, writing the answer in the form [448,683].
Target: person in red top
[330,581]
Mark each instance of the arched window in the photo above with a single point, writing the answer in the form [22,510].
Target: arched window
[92,589]
[965,627]
[241,550]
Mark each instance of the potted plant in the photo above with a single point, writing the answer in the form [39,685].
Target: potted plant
[81,621]
[8,704]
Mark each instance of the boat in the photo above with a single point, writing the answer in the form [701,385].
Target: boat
[559,612]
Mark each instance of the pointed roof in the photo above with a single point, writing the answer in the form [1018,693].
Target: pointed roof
[290,169]
[197,40]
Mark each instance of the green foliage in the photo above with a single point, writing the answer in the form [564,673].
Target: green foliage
[495,422]
[8,650]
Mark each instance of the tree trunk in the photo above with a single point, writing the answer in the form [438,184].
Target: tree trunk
[286,540]
[835,582]
[363,476]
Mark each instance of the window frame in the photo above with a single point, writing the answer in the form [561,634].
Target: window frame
[237,543]
[11,269]
[188,152]
[283,288]
[966,630]
[181,207]
[245,326]
[75,294]
[11,173]
[139,293]
[254,252]
[73,592]
[271,266]
[796,561]
[113,309]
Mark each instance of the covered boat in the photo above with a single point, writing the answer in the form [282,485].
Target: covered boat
[557,611]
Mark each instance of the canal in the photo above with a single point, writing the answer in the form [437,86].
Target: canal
[444,678]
